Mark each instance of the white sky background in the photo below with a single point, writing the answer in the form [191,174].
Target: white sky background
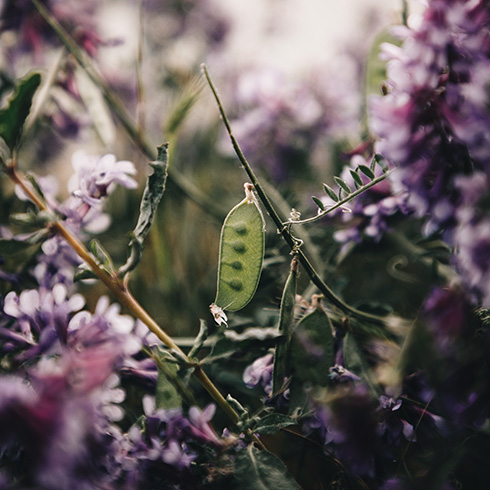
[297,34]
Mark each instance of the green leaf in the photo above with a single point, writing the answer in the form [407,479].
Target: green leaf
[272,423]
[375,65]
[343,185]
[286,316]
[261,470]
[330,192]
[311,351]
[233,344]
[318,203]
[200,339]
[357,178]
[12,117]
[355,361]
[366,171]
[241,254]
[14,246]
[154,189]
[102,256]
[166,395]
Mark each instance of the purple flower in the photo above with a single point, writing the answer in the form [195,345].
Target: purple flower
[41,320]
[368,215]
[95,177]
[347,423]
[57,423]
[33,31]
[260,371]
[434,123]
[280,123]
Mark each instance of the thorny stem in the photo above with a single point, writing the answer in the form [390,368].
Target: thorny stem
[284,230]
[121,292]
[340,203]
[175,177]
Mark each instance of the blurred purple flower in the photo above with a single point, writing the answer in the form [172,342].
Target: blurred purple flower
[434,123]
[279,123]
[33,31]
[57,423]
[260,371]
[347,423]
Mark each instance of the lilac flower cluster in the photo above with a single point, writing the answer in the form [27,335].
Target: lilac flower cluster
[60,409]
[94,179]
[280,123]
[434,125]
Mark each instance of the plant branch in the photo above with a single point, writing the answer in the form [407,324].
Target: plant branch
[120,291]
[340,203]
[284,230]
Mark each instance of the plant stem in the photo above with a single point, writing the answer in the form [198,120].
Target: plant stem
[132,130]
[120,291]
[281,228]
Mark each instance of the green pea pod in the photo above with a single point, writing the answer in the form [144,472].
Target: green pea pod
[241,253]
[286,316]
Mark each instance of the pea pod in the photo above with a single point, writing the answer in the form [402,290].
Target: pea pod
[241,253]
[286,317]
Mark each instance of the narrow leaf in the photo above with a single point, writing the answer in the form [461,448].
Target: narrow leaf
[366,171]
[311,355]
[102,256]
[155,187]
[286,316]
[318,203]
[356,177]
[12,117]
[272,423]
[355,361]
[200,339]
[330,192]
[167,395]
[261,470]
[342,185]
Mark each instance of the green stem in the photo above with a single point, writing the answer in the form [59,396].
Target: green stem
[284,230]
[175,177]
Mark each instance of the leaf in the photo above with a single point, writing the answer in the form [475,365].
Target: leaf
[12,117]
[154,189]
[366,171]
[241,254]
[342,185]
[357,178]
[100,116]
[355,361]
[102,256]
[233,344]
[286,316]
[14,246]
[311,354]
[200,339]
[318,203]
[272,423]
[166,395]
[261,470]
[330,192]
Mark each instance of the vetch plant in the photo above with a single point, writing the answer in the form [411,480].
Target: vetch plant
[349,349]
